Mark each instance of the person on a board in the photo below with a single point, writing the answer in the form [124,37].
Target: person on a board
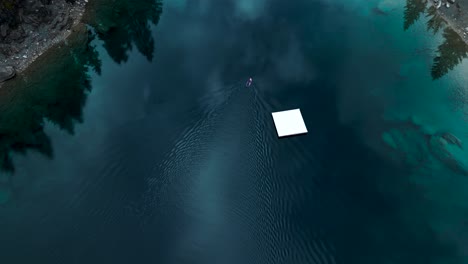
[249,82]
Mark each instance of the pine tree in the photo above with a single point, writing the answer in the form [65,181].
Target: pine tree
[451,53]
[413,10]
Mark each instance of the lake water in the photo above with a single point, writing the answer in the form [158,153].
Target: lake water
[168,158]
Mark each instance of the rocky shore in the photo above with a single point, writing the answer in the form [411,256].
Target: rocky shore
[6,73]
[29,27]
[455,14]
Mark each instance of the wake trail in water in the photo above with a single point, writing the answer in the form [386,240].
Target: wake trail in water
[221,177]
[217,187]
[289,242]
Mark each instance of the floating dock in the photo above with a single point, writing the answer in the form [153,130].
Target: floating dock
[289,123]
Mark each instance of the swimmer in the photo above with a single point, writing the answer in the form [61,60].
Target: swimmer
[249,82]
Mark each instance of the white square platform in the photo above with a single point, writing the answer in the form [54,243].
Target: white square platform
[289,123]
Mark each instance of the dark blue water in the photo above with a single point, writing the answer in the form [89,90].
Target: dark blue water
[175,161]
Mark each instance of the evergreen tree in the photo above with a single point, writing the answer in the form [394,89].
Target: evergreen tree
[413,10]
[451,53]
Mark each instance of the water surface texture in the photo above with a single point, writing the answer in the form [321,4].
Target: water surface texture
[158,153]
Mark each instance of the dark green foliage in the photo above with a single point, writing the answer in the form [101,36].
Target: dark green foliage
[413,10]
[121,24]
[451,53]
[58,92]
[435,22]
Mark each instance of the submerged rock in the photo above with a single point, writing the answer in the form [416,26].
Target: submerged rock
[440,144]
[452,139]
[6,73]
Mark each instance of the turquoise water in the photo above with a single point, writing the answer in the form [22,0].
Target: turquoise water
[159,154]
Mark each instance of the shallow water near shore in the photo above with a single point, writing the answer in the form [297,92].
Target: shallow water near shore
[166,157]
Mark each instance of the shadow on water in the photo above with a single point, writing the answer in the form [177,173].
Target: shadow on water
[121,24]
[57,93]
[413,11]
[354,207]
[322,198]
[453,49]
[451,53]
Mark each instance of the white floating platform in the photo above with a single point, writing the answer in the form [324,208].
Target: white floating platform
[289,123]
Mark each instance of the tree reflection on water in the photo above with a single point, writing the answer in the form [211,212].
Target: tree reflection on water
[58,92]
[453,49]
[120,24]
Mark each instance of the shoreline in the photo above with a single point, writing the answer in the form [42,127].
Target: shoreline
[460,25]
[40,44]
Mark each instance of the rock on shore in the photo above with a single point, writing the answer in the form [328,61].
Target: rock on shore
[6,73]
[455,14]
[30,27]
